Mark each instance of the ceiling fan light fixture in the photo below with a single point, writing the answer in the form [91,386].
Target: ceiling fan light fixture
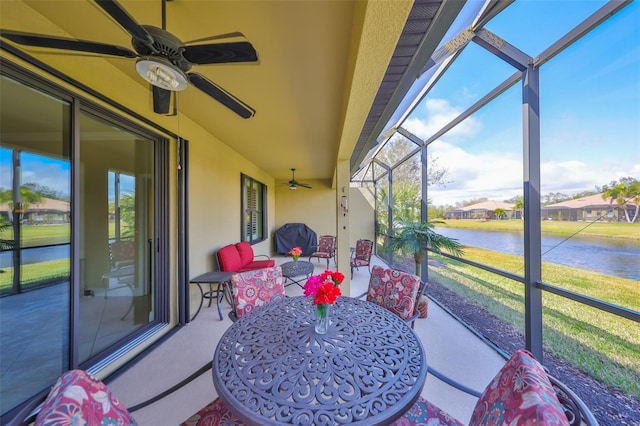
[162,73]
[293,187]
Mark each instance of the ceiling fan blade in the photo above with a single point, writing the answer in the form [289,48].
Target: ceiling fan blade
[220,53]
[217,37]
[222,96]
[37,40]
[124,19]
[304,185]
[161,100]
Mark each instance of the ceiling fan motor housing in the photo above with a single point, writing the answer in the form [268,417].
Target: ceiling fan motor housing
[164,44]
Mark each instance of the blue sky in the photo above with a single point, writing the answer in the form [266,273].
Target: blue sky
[44,171]
[50,172]
[589,110]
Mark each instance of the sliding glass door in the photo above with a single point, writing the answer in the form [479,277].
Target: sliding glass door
[79,235]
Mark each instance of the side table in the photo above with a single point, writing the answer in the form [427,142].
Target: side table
[296,268]
[211,278]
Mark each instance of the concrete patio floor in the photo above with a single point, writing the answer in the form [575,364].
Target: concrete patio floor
[450,347]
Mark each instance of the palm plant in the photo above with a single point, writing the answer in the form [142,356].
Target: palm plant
[415,238]
[5,243]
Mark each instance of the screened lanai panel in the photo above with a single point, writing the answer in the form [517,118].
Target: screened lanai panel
[533,26]
[365,174]
[382,217]
[603,345]
[590,142]
[460,87]
[378,171]
[483,159]
[395,149]
[465,18]
[406,193]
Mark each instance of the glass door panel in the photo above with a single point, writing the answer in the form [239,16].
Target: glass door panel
[116,230]
[35,261]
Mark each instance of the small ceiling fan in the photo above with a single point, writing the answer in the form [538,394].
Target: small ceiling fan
[162,59]
[294,184]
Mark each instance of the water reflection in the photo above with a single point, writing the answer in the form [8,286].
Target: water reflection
[36,255]
[610,256]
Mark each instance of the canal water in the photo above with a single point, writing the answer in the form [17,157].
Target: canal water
[610,256]
[36,255]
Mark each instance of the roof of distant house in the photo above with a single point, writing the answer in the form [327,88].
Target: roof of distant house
[486,205]
[48,204]
[594,200]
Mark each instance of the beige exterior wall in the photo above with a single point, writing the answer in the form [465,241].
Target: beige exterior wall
[215,201]
[362,215]
[315,207]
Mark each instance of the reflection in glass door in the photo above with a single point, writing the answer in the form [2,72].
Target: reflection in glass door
[74,288]
[116,231]
[35,261]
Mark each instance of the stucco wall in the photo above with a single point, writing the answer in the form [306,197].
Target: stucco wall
[361,214]
[314,207]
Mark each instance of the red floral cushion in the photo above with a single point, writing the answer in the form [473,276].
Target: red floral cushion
[326,245]
[425,413]
[229,258]
[519,394]
[79,399]
[215,413]
[395,290]
[253,289]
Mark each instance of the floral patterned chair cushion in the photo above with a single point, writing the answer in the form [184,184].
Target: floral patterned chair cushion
[253,289]
[425,413]
[395,290]
[326,248]
[215,413]
[79,399]
[520,393]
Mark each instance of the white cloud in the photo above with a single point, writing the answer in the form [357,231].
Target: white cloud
[439,112]
[491,166]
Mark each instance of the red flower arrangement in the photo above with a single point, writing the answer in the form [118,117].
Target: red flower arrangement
[324,288]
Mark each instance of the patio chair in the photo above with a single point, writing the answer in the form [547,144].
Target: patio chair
[256,288]
[77,397]
[521,393]
[396,291]
[326,249]
[122,266]
[361,256]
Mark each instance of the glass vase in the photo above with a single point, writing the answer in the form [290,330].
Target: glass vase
[322,322]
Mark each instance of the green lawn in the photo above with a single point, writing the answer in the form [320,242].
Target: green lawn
[35,274]
[605,346]
[598,229]
[38,235]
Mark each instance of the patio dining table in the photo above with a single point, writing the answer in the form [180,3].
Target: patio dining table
[272,368]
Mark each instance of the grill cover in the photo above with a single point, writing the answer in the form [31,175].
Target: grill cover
[293,235]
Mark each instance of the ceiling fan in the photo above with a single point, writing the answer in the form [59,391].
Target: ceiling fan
[294,184]
[162,59]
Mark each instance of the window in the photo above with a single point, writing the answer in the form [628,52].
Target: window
[254,212]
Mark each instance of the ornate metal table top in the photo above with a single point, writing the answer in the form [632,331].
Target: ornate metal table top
[271,368]
[296,268]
